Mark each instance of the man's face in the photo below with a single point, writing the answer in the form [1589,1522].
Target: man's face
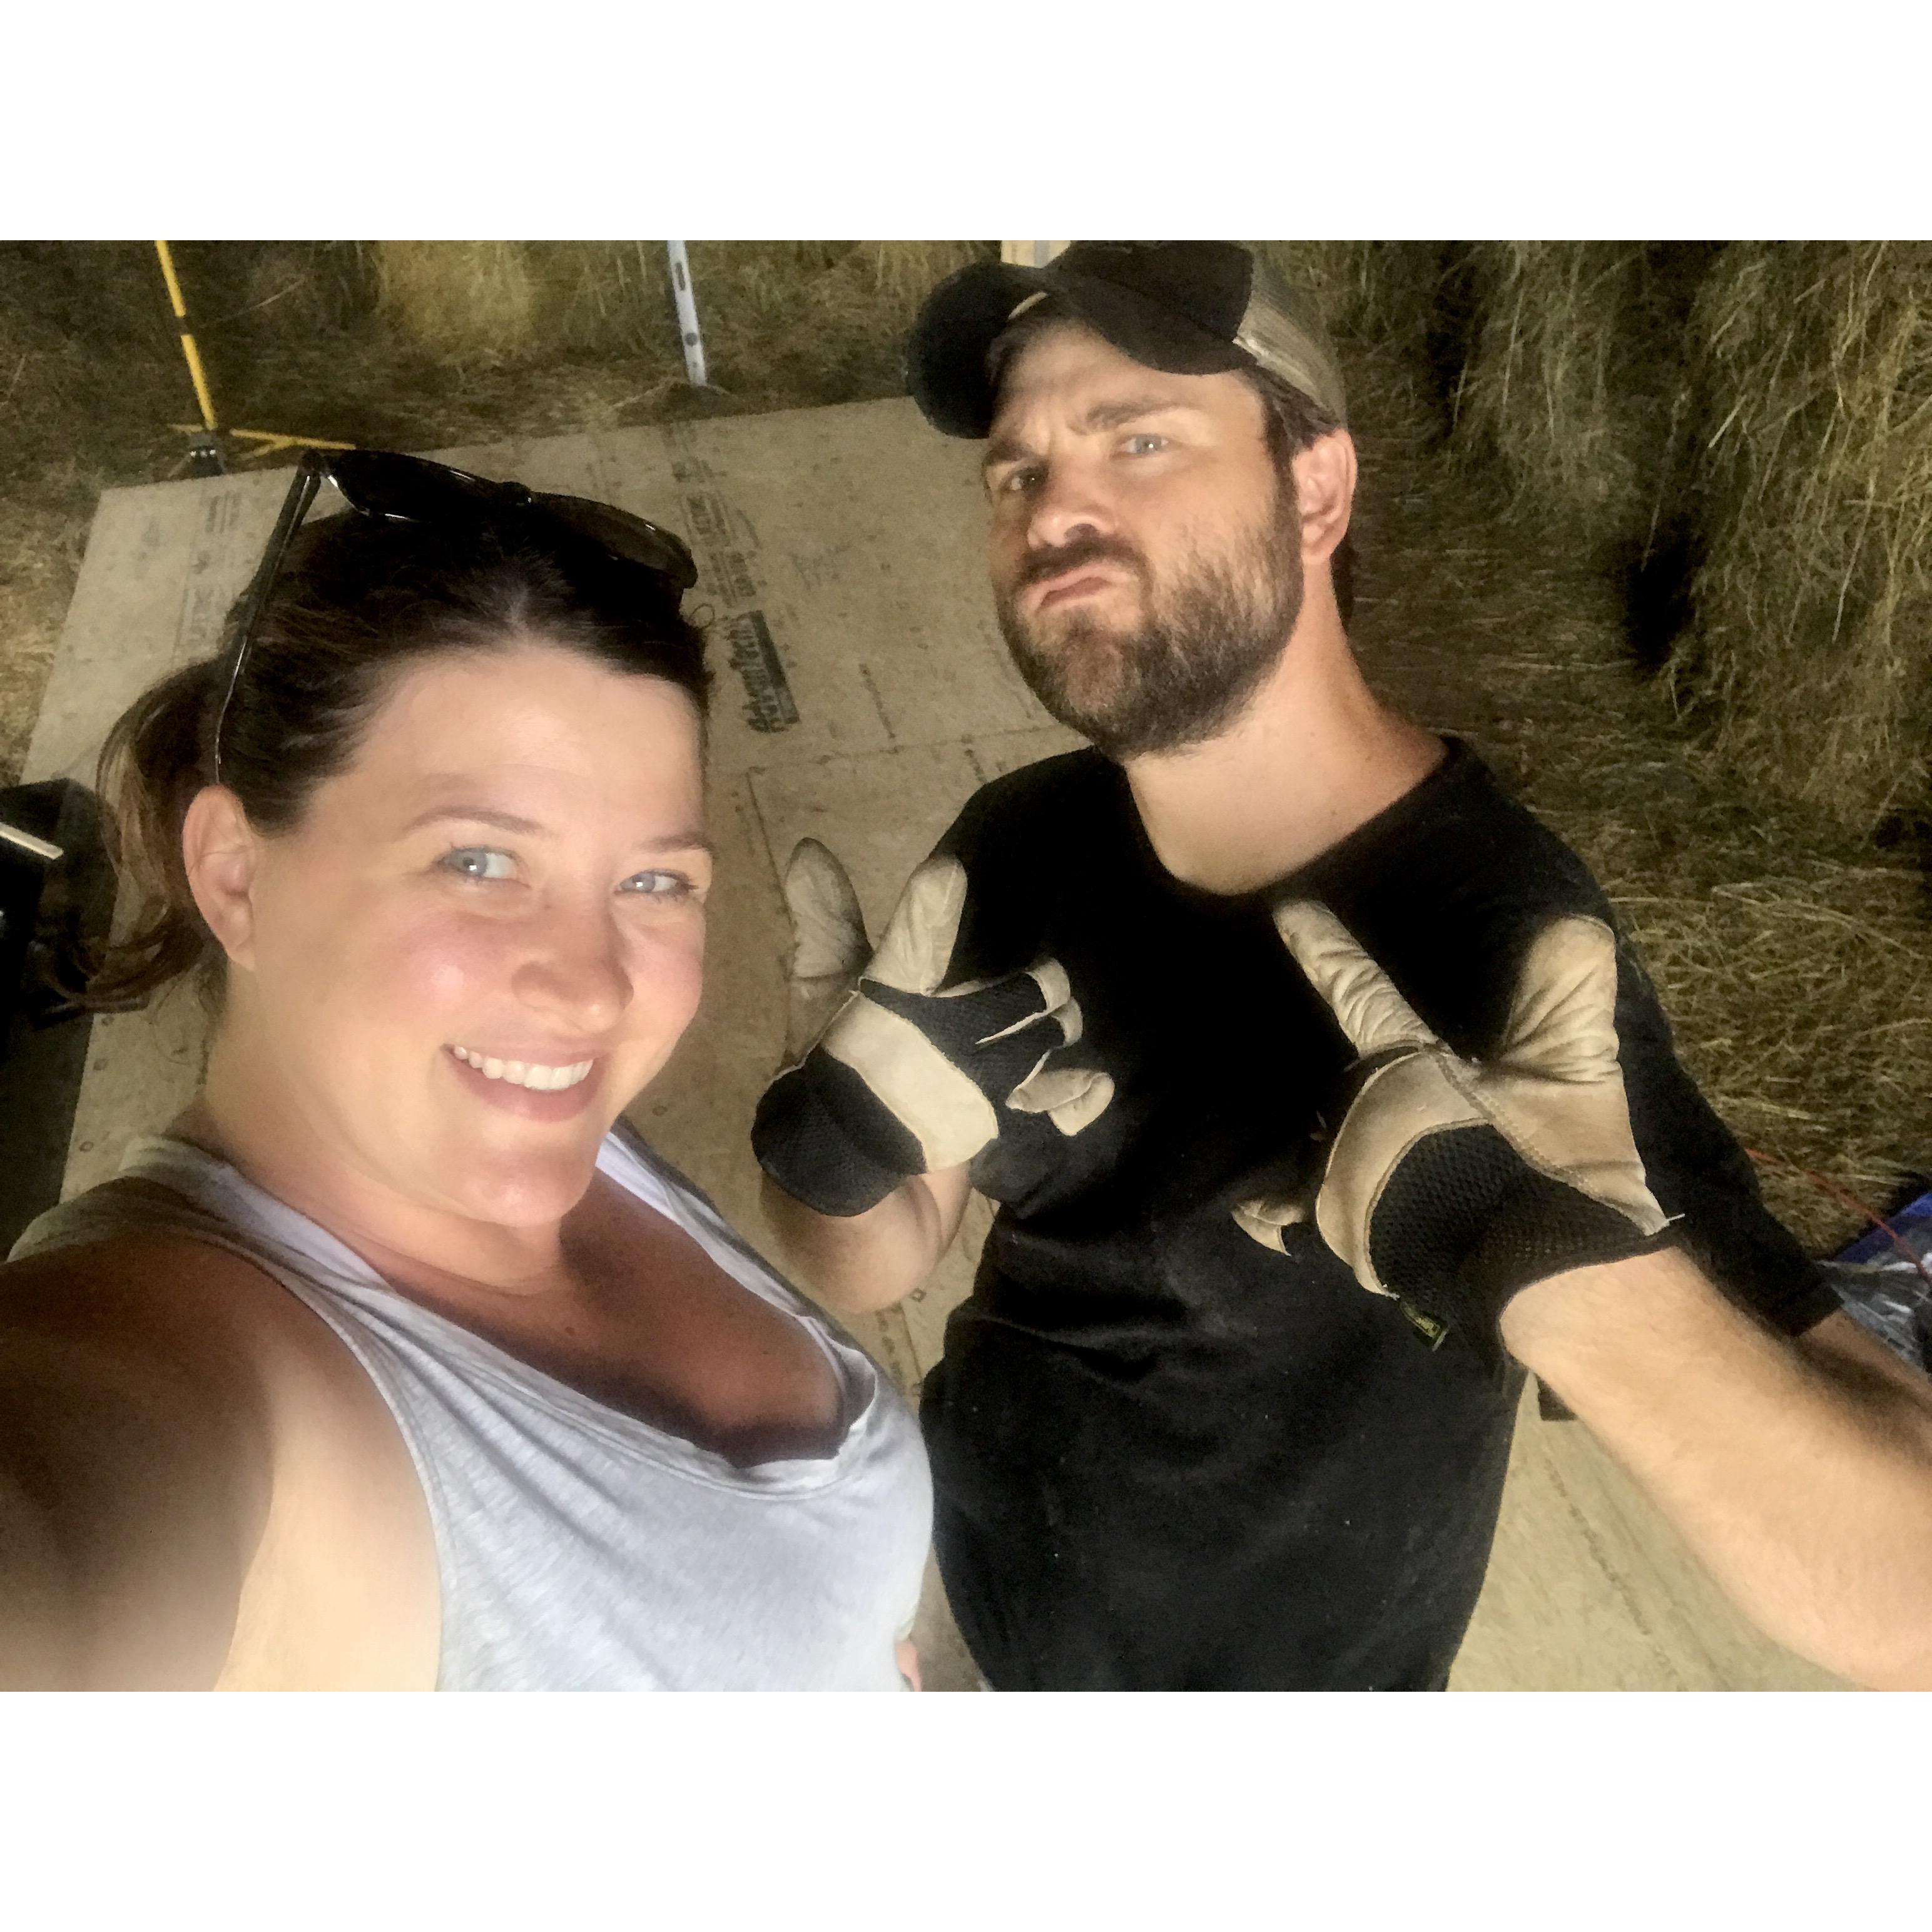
[1146,563]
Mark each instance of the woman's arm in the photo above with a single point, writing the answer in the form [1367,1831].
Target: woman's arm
[1801,1473]
[858,1264]
[136,1464]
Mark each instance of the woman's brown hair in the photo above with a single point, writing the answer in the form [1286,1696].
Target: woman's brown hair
[359,599]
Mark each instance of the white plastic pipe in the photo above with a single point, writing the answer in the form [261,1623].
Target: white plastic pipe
[687,313]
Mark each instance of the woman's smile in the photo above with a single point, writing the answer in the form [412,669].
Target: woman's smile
[530,1092]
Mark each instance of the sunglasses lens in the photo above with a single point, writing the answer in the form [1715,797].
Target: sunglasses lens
[382,483]
[625,536]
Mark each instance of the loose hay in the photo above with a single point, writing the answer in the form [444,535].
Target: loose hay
[1804,1002]
[1379,299]
[511,302]
[1811,646]
[782,316]
[1576,384]
[1383,292]
[1795,961]
[471,301]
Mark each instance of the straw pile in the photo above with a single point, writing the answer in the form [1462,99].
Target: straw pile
[1575,383]
[508,302]
[1793,959]
[1378,291]
[1811,650]
[471,300]
[762,304]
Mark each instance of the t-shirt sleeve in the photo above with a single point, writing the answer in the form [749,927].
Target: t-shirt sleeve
[1697,1170]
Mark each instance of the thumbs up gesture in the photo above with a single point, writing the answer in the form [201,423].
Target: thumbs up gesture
[892,1072]
[1452,1183]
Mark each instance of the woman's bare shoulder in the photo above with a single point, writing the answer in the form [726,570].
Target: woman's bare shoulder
[161,1294]
[156,1379]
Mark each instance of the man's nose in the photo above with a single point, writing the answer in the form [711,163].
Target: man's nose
[576,974]
[1069,502]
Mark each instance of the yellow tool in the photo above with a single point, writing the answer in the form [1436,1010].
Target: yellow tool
[204,457]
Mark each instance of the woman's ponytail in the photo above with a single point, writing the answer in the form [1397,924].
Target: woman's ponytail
[150,768]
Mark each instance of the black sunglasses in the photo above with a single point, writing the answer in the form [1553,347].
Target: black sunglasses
[410,489]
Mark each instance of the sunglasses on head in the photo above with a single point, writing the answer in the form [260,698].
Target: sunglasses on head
[412,490]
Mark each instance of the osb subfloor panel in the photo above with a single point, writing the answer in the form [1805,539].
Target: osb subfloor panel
[863,692]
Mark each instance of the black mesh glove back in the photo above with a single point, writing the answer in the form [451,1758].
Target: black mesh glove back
[1452,1184]
[906,1076]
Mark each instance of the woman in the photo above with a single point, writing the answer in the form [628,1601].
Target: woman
[399,1360]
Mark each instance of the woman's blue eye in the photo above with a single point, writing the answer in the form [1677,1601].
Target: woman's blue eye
[657,885]
[480,862]
[1145,445]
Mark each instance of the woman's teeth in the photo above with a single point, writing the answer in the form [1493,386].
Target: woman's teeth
[540,1079]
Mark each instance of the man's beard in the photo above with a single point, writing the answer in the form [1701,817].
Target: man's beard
[1209,635]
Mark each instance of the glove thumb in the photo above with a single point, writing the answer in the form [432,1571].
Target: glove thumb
[828,949]
[1071,1097]
[1263,1218]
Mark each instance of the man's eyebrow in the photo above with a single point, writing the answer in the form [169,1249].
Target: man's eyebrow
[1003,449]
[508,821]
[1103,416]
[1130,408]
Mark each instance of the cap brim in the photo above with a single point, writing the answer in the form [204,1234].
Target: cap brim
[945,357]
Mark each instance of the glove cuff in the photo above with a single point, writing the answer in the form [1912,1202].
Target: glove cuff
[1463,1224]
[1544,1228]
[823,1136]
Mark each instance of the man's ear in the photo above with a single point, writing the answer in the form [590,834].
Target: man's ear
[1324,493]
[220,851]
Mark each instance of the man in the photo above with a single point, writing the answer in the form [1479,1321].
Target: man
[1269,997]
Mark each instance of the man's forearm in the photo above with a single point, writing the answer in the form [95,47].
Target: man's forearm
[1801,1475]
[858,1264]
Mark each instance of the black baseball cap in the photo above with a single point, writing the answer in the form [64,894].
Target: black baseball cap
[1193,308]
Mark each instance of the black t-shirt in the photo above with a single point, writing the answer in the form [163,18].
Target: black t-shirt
[1166,1457]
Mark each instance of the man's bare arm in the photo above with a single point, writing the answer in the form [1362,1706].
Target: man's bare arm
[1800,1473]
[858,1264]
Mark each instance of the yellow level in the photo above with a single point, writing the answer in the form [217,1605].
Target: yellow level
[268,441]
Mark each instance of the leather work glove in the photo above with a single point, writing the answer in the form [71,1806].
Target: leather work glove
[890,1073]
[1451,1184]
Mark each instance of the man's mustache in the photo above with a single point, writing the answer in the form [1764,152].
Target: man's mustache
[1045,563]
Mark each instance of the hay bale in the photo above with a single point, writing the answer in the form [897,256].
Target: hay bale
[815,321]
[831,312]
[905,273]
[468,301]
[1810,648]
[830,315]
[602,298]
[1575,387]
[1367,291]
[1381,301]
[258,290]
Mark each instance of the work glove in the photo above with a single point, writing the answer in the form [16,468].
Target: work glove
[1452,1183]
[890,1073]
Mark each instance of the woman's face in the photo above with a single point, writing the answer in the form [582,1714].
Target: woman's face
[487,934]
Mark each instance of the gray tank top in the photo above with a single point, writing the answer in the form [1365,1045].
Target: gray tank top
[577,1548]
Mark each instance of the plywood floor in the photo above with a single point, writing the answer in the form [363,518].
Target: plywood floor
[863,691]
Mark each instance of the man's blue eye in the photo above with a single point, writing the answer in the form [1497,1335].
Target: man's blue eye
[480,862]
[1145,445]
